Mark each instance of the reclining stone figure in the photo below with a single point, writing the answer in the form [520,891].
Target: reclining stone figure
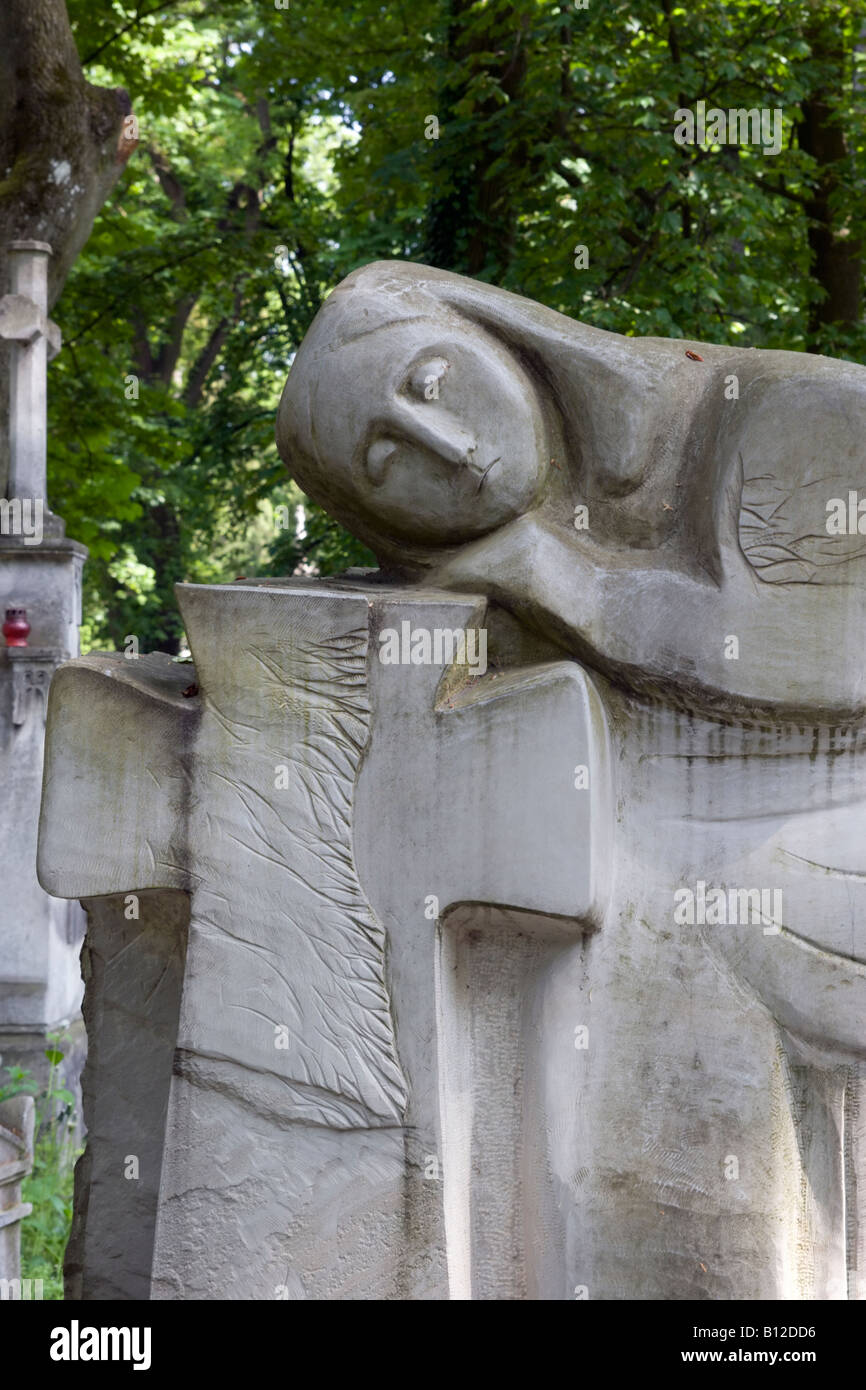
[455,427]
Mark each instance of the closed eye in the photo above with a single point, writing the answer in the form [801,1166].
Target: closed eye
[426,378]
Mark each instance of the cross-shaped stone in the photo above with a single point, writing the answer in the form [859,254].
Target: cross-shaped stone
[328,1091]
[35,341]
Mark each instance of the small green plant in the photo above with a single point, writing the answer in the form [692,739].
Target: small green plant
[45,1231]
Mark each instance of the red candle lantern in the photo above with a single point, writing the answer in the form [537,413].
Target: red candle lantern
[16,627]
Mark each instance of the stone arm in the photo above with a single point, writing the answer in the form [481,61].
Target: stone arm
[749,605]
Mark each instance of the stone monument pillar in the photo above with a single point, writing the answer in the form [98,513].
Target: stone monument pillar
[40,606]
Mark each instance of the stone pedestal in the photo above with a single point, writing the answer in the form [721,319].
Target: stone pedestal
[275,1093]
[40,938]
[403,982]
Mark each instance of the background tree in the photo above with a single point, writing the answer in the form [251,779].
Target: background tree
[280,149]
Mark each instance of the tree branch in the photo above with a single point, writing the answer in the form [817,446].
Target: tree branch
[168,182]
[200,369]
[133,23]
[149,276]
[169,352]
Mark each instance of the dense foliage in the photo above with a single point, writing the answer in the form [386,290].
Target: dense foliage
[282,147]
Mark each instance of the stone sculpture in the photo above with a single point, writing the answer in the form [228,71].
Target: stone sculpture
[426,410]
[541,978]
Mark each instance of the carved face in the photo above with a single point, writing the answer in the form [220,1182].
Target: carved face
[455,450]
[428,431]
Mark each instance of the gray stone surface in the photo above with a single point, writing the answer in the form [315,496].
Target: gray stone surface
[538,979]
[33,338]
[134,970]
[40,937]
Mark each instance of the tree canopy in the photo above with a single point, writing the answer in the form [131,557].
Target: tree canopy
[280,148]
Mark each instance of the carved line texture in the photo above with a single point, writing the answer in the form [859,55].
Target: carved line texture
[319,949]
[783,533]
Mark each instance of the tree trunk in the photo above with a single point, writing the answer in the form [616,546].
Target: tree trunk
[471,218]
[63,145]
[836,255]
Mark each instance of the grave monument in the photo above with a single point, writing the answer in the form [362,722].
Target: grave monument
[490,925]
[40,612]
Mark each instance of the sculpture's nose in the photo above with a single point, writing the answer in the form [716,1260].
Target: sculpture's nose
[440,432]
